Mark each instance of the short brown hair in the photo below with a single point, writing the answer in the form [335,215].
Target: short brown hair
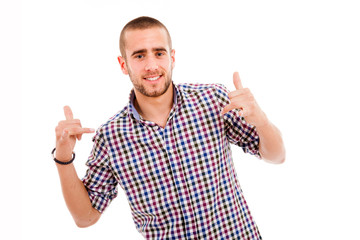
[141,23]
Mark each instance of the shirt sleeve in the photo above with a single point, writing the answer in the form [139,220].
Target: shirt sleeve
[99,179]
[237,130]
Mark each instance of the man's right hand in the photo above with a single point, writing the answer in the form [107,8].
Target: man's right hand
[67,131]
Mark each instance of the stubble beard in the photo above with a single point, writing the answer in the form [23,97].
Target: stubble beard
[147,92]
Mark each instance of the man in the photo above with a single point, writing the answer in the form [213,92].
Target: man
[169,148]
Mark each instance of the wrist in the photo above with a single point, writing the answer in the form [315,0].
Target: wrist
[263,121]
[63,160]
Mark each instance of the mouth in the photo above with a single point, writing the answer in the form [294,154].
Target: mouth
[153,78]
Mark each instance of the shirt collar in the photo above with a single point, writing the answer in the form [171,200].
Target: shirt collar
[134,113]
[132,109]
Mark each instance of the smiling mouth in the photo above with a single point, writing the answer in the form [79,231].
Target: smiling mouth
[153,78]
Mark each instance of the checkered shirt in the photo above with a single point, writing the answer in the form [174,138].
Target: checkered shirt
[179,180]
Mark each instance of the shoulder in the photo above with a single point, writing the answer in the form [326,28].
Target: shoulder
[196,88]
[199,87]
[119,119]
[214,90]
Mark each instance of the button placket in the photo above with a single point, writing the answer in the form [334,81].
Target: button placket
[178,175]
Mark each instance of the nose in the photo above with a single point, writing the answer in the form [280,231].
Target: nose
[151,64]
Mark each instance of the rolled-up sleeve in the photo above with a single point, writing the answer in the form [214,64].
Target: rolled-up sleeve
[238,131]
[99,179]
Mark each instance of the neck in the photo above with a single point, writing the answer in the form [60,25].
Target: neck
[155,109]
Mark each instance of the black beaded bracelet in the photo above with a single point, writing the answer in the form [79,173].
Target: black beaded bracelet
[60,162]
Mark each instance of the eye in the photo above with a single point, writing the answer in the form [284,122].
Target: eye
[159,54]
[139,56]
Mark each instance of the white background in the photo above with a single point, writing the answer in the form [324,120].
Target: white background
[300,59]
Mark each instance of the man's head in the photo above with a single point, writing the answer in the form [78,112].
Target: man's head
[141,23]
[147,56]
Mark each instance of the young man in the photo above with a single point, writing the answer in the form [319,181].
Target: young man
[169,148]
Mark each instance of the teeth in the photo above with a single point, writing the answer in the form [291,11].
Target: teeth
[153,78]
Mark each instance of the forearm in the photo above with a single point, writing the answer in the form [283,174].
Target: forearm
[271,144]
[76,197]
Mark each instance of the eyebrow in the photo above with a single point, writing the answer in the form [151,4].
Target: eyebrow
[159,49]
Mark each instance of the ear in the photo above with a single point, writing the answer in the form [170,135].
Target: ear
[123,65]
[172,55]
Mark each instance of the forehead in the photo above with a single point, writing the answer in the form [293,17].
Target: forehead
[149,38]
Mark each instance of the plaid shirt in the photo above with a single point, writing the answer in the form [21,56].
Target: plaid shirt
[180,180]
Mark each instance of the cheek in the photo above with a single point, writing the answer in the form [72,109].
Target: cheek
[168,63]
[133,67]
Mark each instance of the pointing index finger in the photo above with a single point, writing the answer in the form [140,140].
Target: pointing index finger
[237,81]
[68,113]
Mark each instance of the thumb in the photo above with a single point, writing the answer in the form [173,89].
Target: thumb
[68,113]
[237,81]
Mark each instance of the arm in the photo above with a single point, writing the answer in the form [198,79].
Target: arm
[74,191]
[271,144]
[76,197]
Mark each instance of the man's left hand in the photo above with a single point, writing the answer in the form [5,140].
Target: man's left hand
[244,100]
